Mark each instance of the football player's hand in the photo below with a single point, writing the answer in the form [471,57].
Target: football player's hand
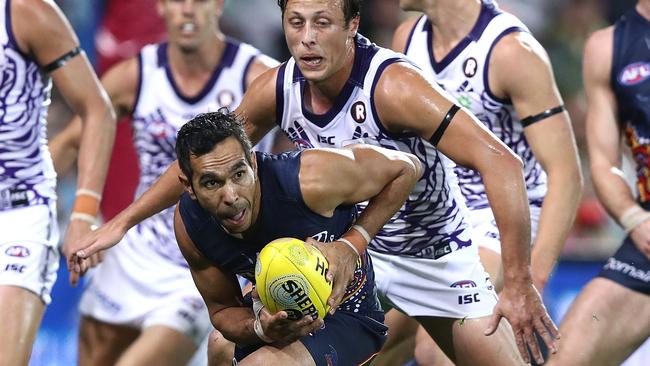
[342,265]
[77,229]
[92,243]
[282,330]
[523,307]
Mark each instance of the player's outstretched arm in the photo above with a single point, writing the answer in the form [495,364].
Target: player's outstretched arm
[333,177]
[228,313]
[548,130]
[43,32]
[164,193]
[423,108]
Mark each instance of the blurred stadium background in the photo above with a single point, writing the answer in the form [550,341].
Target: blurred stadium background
[110,30]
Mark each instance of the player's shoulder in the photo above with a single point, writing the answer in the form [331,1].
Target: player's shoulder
[597,55]
[600,42]
[37,10]
[402,33]
[518,46]
[38,17]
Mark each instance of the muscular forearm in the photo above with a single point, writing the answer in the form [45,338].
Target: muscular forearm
[236,325]
[508,199]
[97,136]
[612,190]
[163,194]
[556,219]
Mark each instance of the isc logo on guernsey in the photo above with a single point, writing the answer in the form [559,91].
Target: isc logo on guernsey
[467,298]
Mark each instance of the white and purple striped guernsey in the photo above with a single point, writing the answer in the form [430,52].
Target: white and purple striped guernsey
[27,175]
[160,110]
[463,73]
[433,222]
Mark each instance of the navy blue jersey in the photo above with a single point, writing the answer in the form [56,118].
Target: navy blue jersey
[283,213]
[630,80]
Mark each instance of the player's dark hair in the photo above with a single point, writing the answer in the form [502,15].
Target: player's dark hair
[202,133]
[351,9]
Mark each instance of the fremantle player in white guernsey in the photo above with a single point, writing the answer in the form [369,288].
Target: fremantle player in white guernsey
[488,61]
[37,45]
[340,89]
[141,305]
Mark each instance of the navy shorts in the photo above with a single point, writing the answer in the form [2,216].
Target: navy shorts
[348,339]
[628,267]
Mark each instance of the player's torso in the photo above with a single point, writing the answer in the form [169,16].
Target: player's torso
[27,175]
[283,213]
[431,223]
[463,73]
[630,80]
[160,110]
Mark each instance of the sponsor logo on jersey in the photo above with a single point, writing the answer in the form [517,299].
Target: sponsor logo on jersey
[635,73]
[358,112]
[468,299]
[463,284]
[299,136]
[627,269]
[323,236]
[17,251]
[470,66]
[15,267]
[332,358]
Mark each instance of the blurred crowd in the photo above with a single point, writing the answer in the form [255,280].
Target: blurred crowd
[111,30]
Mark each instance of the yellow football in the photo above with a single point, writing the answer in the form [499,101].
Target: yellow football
[290,276]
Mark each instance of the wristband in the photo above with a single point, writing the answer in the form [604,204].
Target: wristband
[83,217]
[348,243]
[258,305]
[89,192]
[86,202]
[633,217]
[362,231]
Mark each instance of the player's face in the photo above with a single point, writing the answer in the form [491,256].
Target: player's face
[190,22]
[318,37]
[225,185]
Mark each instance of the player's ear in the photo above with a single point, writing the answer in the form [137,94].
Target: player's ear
[254,162]
[188,185]
[353,27]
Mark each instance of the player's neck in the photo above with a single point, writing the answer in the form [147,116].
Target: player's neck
[452,20]
[643,7]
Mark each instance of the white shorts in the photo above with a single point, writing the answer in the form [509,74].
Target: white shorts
[139,288]
[485,232]
[453,286]
[29,257]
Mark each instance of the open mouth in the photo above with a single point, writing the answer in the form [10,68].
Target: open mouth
[188,27]
[237,219]
[312,60]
